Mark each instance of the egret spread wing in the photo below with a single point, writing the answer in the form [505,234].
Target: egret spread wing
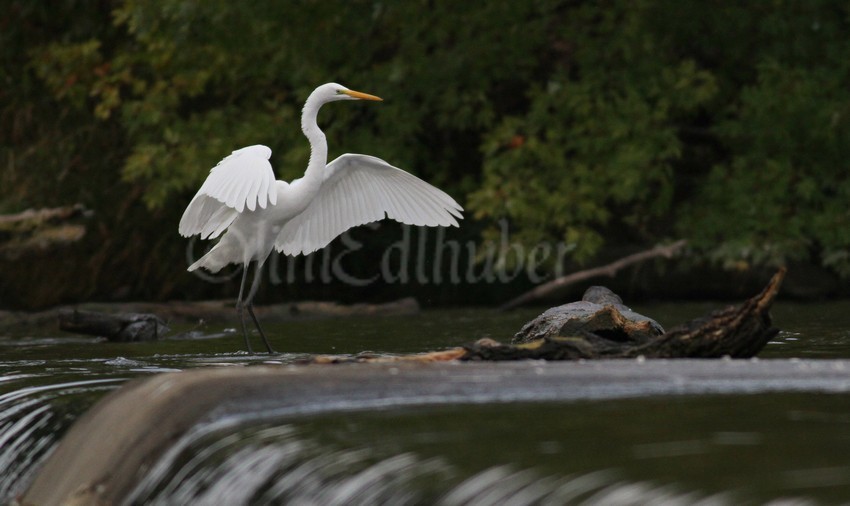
[360,189]
[244,179]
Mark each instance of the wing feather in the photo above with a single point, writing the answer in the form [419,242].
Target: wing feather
[426,213]
[263,191]
[244,179]
[359,189]
[362,204]
[400,207]
[388,202]
[409,205]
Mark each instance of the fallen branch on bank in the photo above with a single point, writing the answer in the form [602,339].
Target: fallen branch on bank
[40,229]
[32,218]
[666,251]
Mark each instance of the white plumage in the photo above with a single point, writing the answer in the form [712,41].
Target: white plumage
[360,189]
[253,213]
[243,179]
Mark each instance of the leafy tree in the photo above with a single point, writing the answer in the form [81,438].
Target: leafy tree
[595,149]
[780,192]
[611,124]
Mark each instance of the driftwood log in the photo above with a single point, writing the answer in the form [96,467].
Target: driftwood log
[736,331]
[120,327]
[37,230]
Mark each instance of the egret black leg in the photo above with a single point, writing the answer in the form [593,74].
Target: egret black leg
[240,308]
[249,304]
[259,328]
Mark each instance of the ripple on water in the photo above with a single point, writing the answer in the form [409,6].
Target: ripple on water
[27,341]
[123,362]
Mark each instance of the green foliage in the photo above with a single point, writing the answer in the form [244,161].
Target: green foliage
[597,149]
[782,192]
[613,123]
[196,80]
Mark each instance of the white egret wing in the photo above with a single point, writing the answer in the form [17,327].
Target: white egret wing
[360,189]
[244,179]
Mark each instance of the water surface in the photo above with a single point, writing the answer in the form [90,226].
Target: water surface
[728,449]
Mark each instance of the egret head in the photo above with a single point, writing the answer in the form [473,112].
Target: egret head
[332,92]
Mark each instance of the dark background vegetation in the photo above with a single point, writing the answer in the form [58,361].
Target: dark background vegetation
[609,125]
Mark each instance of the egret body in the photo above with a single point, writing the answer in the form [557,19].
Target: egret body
[253,214]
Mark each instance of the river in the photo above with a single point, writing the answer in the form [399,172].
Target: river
[734,447]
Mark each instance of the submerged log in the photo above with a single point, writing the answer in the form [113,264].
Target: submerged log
[120,327]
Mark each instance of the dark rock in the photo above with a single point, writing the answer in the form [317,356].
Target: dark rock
[120,327]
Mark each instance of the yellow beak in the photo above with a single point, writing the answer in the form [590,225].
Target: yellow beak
[361,96]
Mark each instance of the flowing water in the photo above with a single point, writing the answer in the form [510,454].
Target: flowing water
[754,448]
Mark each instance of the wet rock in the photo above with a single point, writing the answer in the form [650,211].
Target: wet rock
[600,313]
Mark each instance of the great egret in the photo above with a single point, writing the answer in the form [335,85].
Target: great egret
[242,200]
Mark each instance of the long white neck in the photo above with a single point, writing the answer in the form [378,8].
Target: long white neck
[318,143]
